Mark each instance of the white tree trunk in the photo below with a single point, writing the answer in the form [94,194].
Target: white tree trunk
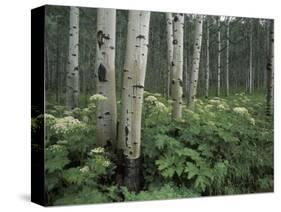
[219,58]
[132,96]
[105,77]
[169,29]
[177,67]
[207,74]
[133,83]
[195,60]
[251,59]
[72,78]
[227,58]
[270,71]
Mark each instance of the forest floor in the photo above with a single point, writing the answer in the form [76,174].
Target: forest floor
[224,146]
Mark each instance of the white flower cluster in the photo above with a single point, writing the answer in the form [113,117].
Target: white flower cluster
[84,169]
[66,124]
[151,99]
[55,148]
[221,107]
[97,150]
[160,107]
[214,101]
[241,111]
[97,97]
[252,121]
[106,163]
[49,119]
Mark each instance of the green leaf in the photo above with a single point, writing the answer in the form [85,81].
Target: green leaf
[169,172]
[73,176]
[191,169]
[201,182]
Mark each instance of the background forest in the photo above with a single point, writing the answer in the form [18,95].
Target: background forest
[200,118]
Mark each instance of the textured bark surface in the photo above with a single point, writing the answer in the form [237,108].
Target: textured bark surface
[251,59]
[207,74]
[105,77]
[227,58]
[133,83]
[169,28]
[132,174]
[177,67]
[195,60]
[219,58]
[129,140]
[270,70]
[72,78]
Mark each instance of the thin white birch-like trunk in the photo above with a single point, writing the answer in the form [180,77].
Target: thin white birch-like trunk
[270,70]
[251,59]
[219,58]
[129,140]
[195,60]
[133,83]
[177,67]
[105,77]
[207,74]
[227,57]
[72,77]
[169,29]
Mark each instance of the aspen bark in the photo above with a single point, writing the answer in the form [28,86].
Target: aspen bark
[270,71]
[207,74]
[227,58]
[169,29]
[195,60]
[251,59]
[129,140]
[219,57]
[72,78]
[105,77]
[177,67]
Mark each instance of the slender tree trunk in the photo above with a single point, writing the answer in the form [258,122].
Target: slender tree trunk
[219,58]
[177,67]
[195,61]
[207,74]
[251,59]
[105,77]
[169,28]
[47,76]
[270,71]
[132,96]
[58,74]
[227,58]
[72,79]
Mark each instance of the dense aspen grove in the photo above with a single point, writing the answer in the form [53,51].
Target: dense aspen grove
[156,105]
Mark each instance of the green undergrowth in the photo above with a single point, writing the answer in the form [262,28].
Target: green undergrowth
[223,146]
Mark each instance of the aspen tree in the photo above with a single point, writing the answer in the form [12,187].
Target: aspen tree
[72,78]
[129,140]
[251,59]
[270,70]
[169,29]
[177,66]
[195,60]
[219,57]
[227,57]
[207,74]
[105,77]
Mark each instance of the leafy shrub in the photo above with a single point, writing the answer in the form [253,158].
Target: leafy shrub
[223,146]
